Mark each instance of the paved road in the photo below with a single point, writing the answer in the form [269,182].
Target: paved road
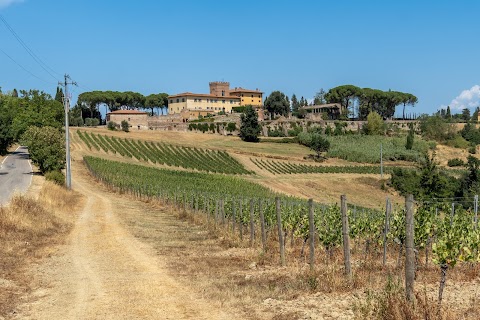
[15,174]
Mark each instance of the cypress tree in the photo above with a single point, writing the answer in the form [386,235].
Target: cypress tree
[249,128]
[59,95]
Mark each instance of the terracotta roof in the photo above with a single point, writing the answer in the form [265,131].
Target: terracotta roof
[245,90]
[127,112]
[189,94]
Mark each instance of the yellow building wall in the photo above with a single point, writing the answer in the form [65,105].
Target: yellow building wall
[247,99]
[216,104]
[177,107]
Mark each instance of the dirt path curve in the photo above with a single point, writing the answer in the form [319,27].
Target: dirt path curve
[103,272]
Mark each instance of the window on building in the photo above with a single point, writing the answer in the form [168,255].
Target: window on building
[171,100]
[223,93]
[183,99]
[252,95]
[242,94]
[252,100]
[223,101]
[195,100]
[199,100]
[178,100]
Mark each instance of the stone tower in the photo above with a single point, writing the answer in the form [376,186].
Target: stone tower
[220,88]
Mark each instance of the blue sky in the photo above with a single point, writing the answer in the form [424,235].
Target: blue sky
[428,48]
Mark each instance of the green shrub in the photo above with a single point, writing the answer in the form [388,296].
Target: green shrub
[410,138]
[203,127]
[375,124]
[295,130]
[92,122]
[275,133]
[457,141]
[46,146]
[436,128]
[112,125]
[455,162]
[231,126]
[328,130]
[315,142]
[305,138]
[316,129]
[240,109]
[76,122]
[339,128]
[125,126]
[55,176]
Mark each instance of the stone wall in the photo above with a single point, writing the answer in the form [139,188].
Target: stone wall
[136,121]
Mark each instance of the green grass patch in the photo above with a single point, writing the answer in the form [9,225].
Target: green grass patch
[366,149]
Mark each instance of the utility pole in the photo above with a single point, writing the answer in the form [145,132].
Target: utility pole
[66,105]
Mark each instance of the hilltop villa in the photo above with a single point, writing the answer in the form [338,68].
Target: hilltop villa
[220,99]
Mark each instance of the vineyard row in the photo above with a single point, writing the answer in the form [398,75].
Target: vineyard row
[281,167]
[166,154]
[448,236]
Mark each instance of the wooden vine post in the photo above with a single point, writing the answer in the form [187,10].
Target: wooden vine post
[252,222]
[311,233]
[388,209]
[280,231]
[240,226]
[222,211]
[233,215]
[346,237]
[262,226]
[409,249]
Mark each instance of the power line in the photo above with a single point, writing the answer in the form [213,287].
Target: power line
[25,69]
[42,64]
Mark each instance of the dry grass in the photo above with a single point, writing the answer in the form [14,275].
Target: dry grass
[29,229]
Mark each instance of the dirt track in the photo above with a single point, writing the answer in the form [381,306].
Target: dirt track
[103,272]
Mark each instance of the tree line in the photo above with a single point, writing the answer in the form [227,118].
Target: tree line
[115,100]
[35,119]
[354,101]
